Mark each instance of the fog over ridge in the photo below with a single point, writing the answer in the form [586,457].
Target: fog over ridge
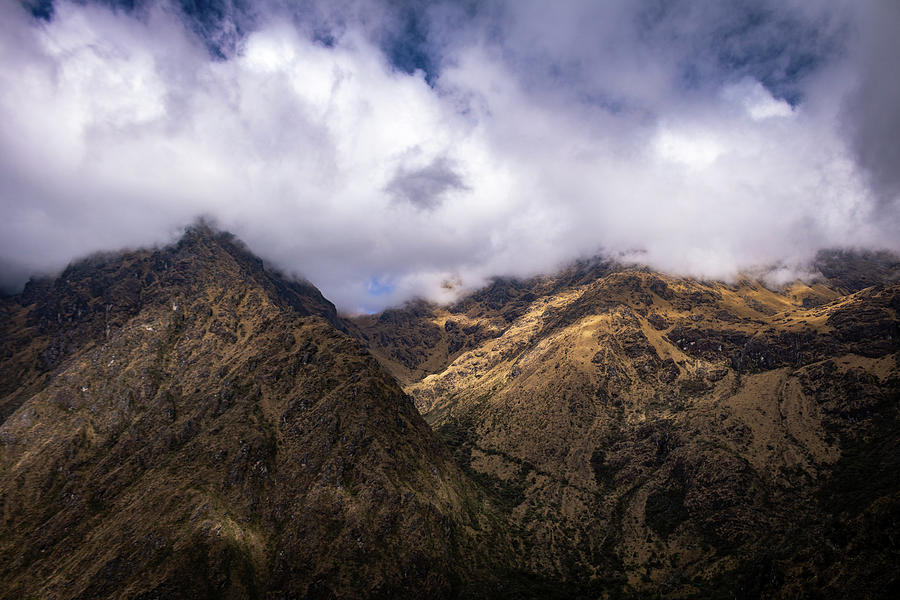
[382,149]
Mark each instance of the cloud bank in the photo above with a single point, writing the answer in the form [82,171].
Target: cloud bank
[381,150]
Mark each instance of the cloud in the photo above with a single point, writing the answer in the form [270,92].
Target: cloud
[757,100]
[870,109]
[489,139]
[425,187]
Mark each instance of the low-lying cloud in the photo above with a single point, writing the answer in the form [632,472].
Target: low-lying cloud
[507,139]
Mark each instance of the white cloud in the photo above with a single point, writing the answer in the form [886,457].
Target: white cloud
[119,131]
[757,100]
[695,149]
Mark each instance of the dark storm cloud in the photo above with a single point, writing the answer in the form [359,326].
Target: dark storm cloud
[872,110]
[425,187]
[776,44]
[12,274]
[507,136]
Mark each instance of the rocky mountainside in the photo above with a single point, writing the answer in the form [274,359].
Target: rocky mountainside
[649,435]
[185,422]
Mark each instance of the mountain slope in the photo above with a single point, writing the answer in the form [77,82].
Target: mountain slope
[91,298]
[184,422]
[655,435]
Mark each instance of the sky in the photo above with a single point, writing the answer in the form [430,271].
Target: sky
[388,149]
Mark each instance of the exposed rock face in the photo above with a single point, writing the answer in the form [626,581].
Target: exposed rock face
[185,423]
[650,435]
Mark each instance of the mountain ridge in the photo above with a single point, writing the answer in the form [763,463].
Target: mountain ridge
[673,431]
[839,272]
[193,425]
[184,421]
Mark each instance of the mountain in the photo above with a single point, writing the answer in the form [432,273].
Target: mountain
[650,435]
[185,422]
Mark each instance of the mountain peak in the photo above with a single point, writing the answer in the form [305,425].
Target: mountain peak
[185,421]
[203,235]
[195,425]
[654,418]
[94,298]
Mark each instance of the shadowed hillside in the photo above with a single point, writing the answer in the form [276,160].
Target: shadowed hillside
[184,422]
[656,435]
